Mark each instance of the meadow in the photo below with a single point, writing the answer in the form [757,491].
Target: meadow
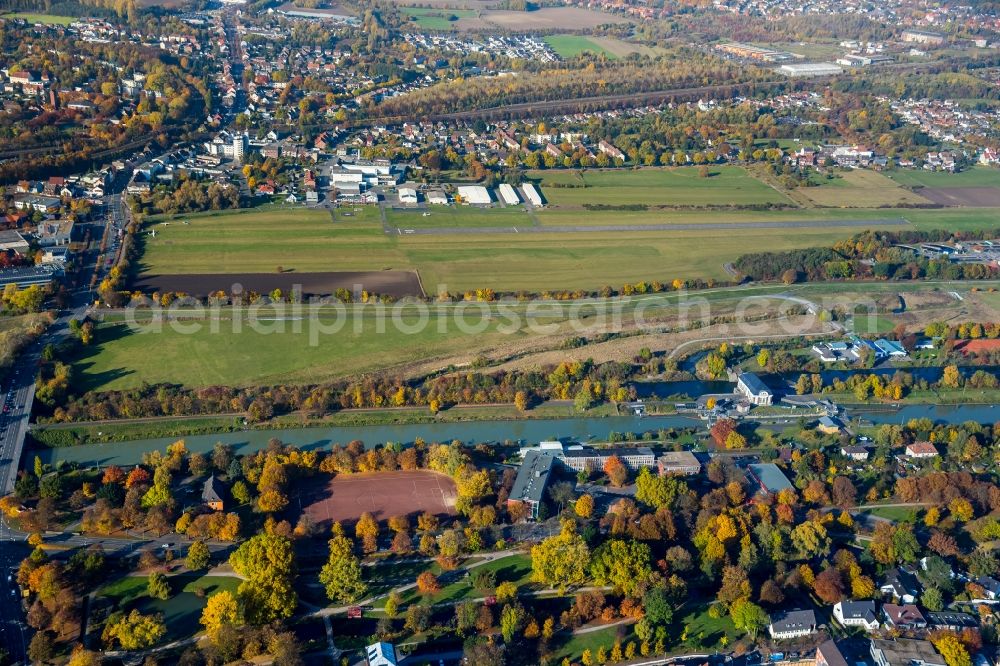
[683,186]
[457,216]
[434,18]
[52,19]
[570,46]
[860,188]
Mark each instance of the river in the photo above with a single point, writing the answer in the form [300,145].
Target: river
[580,429]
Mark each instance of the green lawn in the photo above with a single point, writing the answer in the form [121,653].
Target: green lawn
[897,513]
[570,46]
[978,176]
[125,359]
[680,186]
[593,641]
[181,612]
[41,18]
[514,569]
[435,19]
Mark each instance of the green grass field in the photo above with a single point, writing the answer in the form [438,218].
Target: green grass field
[181,612]
[124,359]
[41,18]
[435,19]
[682,186]
[570,46]
[978,176]
[304,240]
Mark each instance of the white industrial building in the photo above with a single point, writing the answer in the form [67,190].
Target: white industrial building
[437,197]
[532,194]
[810,69]
[509,195]
[475,194]
[407,195]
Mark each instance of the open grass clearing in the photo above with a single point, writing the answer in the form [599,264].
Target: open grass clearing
[181,612]
[861,188]
[546,18]
[570,46]
[680,186]
[436,18]
[51,19]
[514,569]
[292,352]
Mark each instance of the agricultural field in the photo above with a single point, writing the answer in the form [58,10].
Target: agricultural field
[52,19]
[860,188]
[979,176]
[570,46]
[683,187]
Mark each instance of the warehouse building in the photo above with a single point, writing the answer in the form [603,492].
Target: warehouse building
[797,70]
[407,195]
[532,195]
[476,195]
[509,195]
[770,479]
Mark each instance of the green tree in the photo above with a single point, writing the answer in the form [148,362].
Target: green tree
[561,561]
[810,539]
[511,620]
[341,575]
[623,565]
[748,616]
[658,491]
[198,556]
[267,564]
[134,631]
[157,586]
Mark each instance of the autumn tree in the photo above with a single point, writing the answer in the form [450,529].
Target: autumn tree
[134,631]
[625,565]
[560,561]
[198,556]
[366,529]
[221,610]
[427,583]
[341,575]
[267,564]
[616,471]
[584,506]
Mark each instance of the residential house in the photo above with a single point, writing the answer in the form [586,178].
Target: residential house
[950,621]
[786,625]
[610,150]
[921,450]
[858,453]
[991,585]
[212,494]
[829,425]
[899,585]
[906,616]
[905,652]
[857,614]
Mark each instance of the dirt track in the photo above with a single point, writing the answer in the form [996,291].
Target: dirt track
[394,283]
[383,494]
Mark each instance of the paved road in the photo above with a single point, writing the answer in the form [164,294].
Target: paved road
[709,226]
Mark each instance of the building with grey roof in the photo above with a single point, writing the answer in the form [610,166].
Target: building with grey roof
[532,481]
[792,624]
[769,477]
[905,652]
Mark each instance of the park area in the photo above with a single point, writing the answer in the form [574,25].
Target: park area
[383,494]
[181,612]
[667,187]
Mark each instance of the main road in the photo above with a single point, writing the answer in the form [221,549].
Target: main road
[18,394]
